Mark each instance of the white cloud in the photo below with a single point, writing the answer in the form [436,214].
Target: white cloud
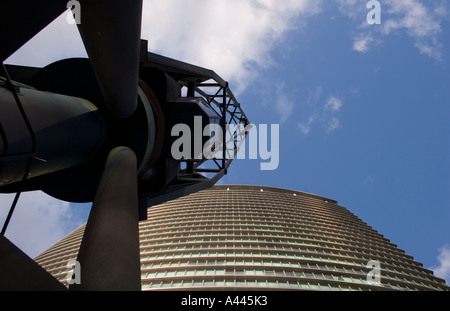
[284,105]
[306,128]
[415,18]
[323,112]
[332,107]
[234,38]
[443,269]
[333,104]
[355,9]
[314,96]
[362,43]
[419,21]
[38,221]
[333,124]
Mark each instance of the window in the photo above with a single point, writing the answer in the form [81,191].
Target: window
[170,273]
[240,283]
[315,286]
[304,286]
[198,283]
[145,286]
[229,283]
[251,283]
[208,283]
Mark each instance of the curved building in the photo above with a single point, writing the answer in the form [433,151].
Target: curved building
[249,237]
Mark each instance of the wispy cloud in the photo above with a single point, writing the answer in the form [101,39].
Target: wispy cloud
[284,103]
[38,221]
[370,180]
[306,127]
[443,269]
[420,21]
[333,104]
[333,124]
[323,112]
[362,43]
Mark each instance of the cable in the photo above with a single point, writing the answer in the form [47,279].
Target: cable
[16,199]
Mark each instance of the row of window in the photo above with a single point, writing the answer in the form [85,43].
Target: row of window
[257,253]
[260,233]
[283,248]
[246,225]
[57,262]
[258,237]
[63,256]
[256,284]
[249,209]
[287,238]
[310,241]
[266,203]
[247,254]
[185,219]
[347,266]
[220,213]
[322,275]
[251,272]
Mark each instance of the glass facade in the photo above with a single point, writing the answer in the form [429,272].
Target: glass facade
[248,237]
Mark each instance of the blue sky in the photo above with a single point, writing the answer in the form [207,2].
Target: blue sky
[362,108]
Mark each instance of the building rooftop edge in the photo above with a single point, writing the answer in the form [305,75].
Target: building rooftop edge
[273,189]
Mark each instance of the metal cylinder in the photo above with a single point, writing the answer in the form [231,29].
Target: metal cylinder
[63,132]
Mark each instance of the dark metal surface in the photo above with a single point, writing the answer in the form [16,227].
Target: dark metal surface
[111,33]
[20,272]
[67,132]
[109,252]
